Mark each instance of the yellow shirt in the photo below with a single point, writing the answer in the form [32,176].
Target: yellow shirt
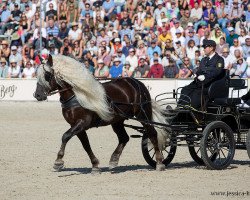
[161,38]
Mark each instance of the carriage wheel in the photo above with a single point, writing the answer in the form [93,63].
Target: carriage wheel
[248,143]
[149,152]
[195,152]
[217,139]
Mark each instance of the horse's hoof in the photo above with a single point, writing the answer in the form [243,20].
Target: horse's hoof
[95,170]
[58,165]
[113,164]
[160,167]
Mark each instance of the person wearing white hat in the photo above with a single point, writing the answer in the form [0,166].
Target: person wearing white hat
[4,68]
[75,33]
[159,10]
[14,69]
[116,69]
[15,54]
[132,58]
[29,70]
[102,70]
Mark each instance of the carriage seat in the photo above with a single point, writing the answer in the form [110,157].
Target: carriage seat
[219,97]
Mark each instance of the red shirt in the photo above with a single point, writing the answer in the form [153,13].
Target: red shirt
[156,71]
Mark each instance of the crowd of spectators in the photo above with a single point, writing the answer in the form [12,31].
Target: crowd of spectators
[135,38]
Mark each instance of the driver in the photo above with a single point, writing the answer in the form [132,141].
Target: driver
[210,70]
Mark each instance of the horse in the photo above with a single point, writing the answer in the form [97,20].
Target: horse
[87,103]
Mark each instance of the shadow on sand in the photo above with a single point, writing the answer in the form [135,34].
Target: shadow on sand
[122,169]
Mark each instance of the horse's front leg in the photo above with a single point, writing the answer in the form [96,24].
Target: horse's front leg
[74,130]
[86,145]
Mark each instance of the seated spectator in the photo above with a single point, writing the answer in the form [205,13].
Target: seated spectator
[102,71]
[163,38]
[36,43]
[222,14]
[190,50]
[52,28]
[75,34]
[88,66]
[121,56]
[207,36]
[141,49]
[155,55]
[24,28]
[28,12]
[212,21]
[242,37]
[148,21]
[216,34]
[53,40]
[62,14]
[127,70]
[51,13]
[241,68]
[143,68]
[235,46]
[178,38]
[192,36]
[125,18]
[196,13]
[72,14]
[52,49]
[246,48]
[15,55]
[171,70]
[66,49]
[156,70]
[222,44]
[29,70]
[203,29]
[132,58]
[185,19]
[186,69]
[99,13]
[63,32]
[5,50]
[116,69]
[88,21]
[127,47]
[91,59]
[125,31]
[109,8]
[76,50]
[153,48]
[92,47]
[104,55]
[14,69]
[4,68]
[235,13]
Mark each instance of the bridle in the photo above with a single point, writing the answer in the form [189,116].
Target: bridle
[48,76]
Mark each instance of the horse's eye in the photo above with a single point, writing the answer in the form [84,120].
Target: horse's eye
[47,76]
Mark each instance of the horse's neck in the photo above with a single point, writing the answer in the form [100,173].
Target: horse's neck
[65,92]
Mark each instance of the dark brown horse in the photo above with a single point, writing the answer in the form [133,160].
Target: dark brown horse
[86,103]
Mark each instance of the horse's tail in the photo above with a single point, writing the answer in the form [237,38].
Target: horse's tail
[163,134]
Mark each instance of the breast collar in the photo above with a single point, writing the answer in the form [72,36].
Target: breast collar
[71,102]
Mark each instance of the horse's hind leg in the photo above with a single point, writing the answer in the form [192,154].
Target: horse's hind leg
[78,128]
[85,143]
[123,139]
[152,134]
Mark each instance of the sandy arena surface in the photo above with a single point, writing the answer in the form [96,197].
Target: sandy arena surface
[30,138]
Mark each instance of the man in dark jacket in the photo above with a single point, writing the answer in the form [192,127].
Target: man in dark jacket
[211,69]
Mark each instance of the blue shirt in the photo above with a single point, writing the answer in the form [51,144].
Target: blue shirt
[116,71]
[5,15]
[54,30]
[83,13]
[152,50]
[108,5]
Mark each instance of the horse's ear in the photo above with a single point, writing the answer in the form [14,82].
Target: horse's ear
[50,61]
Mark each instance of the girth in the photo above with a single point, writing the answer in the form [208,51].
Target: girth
[71,102]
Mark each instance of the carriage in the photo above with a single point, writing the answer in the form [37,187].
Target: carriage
[211,135]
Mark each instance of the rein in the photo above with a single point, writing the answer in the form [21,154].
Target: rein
[57,91]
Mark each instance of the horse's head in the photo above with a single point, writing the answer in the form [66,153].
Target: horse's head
[46,82]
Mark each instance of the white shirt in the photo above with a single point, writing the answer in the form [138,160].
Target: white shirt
[14,71]
[74,34]
[28,72]
[196,13]
[233,48]
[228,61]
[133,60]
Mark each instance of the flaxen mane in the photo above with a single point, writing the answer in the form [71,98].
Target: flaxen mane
[89,92]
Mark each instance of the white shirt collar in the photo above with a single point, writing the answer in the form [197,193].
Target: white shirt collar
[210,57]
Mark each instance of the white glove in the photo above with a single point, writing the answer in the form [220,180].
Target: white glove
[201,78]
[194,76]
